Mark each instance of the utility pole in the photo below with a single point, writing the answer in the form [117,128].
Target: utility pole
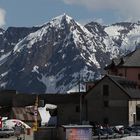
[36,114]
[81,111]
[79,82]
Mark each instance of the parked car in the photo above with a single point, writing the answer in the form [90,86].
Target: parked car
[6,133]
[118,129]
[136,126]
[109,131]
[99,131]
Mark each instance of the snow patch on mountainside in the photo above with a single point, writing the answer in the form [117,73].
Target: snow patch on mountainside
[113,31]
[57,55]
[132,39]
[3,85]
[49,82]
[4,58]
[35,69]
[58,21]
[4,74]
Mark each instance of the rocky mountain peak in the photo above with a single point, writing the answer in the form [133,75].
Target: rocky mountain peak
[61,18]
[50,58]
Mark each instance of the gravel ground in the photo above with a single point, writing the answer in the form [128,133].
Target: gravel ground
[128,138]
[27,137]
[125,138]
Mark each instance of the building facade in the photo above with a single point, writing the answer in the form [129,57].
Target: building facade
[127,66]
[113,100]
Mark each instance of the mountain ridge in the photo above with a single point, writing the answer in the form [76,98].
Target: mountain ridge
[49,58]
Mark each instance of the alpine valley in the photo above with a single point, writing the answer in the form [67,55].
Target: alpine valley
[54,57]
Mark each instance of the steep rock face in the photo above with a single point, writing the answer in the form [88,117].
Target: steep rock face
[125,35]
[51,58]
[108,44]
[10,37]
[120,38]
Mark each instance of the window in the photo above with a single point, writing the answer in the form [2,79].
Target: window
[105,90]
[106,104]
[139,76]
[77,109]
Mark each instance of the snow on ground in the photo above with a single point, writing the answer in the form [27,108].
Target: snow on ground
[44,113]
[50,106]
[130,138]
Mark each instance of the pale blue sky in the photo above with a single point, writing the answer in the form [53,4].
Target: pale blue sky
[36,12]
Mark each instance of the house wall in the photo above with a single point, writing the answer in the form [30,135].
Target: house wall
[117,112]
[68,114]
[48,133]
[133,111]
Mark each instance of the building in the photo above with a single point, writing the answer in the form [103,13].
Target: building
[68,106]
[127,66]
[113,100]
[6,99]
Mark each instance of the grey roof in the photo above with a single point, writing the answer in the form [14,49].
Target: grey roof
[132,59]
[129,87]
[133,93]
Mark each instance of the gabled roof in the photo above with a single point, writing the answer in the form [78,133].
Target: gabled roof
[127,86]
[130,60]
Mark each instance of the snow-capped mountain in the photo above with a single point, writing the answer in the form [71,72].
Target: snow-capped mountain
[125,34]
[10,37]
[50,58]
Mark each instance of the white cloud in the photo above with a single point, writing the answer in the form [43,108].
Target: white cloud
[99,20]
[85,21]
[2,17]
[126,8]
